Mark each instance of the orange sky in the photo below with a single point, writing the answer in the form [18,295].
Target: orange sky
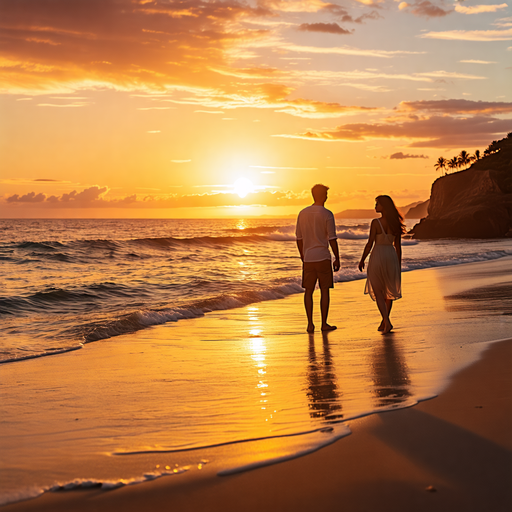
[141,108]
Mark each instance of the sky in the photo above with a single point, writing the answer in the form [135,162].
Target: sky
[203,109]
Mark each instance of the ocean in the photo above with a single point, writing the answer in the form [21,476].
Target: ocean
[70,282]
[188,357]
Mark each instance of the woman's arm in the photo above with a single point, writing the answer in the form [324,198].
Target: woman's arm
[398,248]
[369,244]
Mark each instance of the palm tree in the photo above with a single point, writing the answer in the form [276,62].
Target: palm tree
[464,158]
[453,163]
[492,148]
[441,164]
[476,156]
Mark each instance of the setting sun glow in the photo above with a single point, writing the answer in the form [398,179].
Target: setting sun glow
[243,186]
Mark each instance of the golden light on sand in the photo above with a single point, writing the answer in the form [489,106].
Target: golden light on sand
[243,186]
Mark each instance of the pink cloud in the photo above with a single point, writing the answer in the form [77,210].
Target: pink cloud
[435,131]
[329,28]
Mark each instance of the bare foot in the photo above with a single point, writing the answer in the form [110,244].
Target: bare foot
[387,329]
[328,327]
[381,326]
[311,328]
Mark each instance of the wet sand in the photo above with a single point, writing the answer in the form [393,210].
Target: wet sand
[453,452]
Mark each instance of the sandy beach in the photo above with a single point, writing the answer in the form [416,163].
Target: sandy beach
[452,452]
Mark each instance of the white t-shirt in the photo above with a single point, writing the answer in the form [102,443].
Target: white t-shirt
[315,227]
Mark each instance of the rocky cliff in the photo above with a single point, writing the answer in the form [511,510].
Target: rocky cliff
[475,203]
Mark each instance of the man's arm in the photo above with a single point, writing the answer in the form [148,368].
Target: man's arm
[334,246]
[300,246]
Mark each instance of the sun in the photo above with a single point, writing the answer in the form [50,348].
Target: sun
[243,186]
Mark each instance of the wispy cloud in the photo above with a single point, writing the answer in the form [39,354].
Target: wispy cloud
[65,105]
[457,106]
[436,131]
[477,9]
[472,61]
[328,28]
[424,8]
[470,35]
[451,74]
[347,50]
[403,156]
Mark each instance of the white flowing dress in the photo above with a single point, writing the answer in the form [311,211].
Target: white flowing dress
[383,268]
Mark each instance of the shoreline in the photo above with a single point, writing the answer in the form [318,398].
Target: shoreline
[399,366]
[178,310]
[453,452]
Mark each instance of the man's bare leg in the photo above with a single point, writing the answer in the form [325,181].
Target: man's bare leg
[325,300]
[308,305]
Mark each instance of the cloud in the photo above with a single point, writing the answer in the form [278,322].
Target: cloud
[72,105]
[93,197]
[86,196]
[347,50]
[272,96]
[451,74]
[472,61]
[294,5]
[470,35]
[402,156]
[329,28]
[503,22]
[435,132]
[457,106]
[425,8]
[477,9]
[31,197]
[122,44]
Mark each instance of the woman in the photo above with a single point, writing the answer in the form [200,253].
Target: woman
[384,280]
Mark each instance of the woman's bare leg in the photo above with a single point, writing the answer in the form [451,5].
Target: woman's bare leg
[389,305]
[381,304]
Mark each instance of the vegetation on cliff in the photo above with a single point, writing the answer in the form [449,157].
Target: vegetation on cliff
[498,158]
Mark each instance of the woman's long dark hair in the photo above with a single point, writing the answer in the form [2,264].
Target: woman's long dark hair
[393,216]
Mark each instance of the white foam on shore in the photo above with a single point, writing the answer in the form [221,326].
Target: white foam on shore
[86,483]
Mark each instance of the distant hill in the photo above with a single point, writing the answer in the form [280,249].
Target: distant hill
[372,214]
[475,203]
[419,211]
[356,214]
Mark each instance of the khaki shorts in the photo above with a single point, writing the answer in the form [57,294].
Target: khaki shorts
[317,270]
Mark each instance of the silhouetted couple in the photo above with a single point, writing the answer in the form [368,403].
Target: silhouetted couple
[316,232]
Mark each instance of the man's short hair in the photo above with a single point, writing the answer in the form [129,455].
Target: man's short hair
[319,191]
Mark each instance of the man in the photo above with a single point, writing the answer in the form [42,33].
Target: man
[315,231]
